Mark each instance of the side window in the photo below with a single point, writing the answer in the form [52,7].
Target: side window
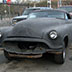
[68,15]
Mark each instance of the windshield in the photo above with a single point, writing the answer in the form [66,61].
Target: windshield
[28,11]
[49,14]
[69,9]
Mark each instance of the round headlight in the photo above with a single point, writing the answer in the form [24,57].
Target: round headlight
[53,34]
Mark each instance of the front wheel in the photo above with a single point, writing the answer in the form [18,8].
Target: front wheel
[60,58]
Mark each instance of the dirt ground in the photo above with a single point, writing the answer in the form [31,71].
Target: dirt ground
[44,64]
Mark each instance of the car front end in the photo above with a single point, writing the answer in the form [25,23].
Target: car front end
[28,39]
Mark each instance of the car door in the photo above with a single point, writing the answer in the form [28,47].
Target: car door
[68,23]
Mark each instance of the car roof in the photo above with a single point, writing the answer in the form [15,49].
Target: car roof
[66,6]
[51,10]
[41,8]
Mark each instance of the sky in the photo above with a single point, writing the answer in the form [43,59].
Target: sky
[15,0]
[11,0]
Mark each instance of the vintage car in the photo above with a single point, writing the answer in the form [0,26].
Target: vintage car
[44,31]
[25,14]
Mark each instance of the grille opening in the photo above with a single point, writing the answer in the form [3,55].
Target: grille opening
[27,45]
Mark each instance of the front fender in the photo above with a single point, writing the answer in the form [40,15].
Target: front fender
[4,31]
[62,32]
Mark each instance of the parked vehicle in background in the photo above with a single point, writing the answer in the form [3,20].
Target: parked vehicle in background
[26,13]
[67,8]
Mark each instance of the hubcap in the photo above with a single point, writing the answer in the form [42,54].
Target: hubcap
[64,55]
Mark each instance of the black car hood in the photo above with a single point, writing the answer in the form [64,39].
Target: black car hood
[33,27]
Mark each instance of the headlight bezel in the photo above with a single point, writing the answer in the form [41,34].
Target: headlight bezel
[53,34]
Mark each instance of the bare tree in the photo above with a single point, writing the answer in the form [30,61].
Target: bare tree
[18,1]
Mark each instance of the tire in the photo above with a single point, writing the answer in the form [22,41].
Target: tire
[60,58]
[6,54]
